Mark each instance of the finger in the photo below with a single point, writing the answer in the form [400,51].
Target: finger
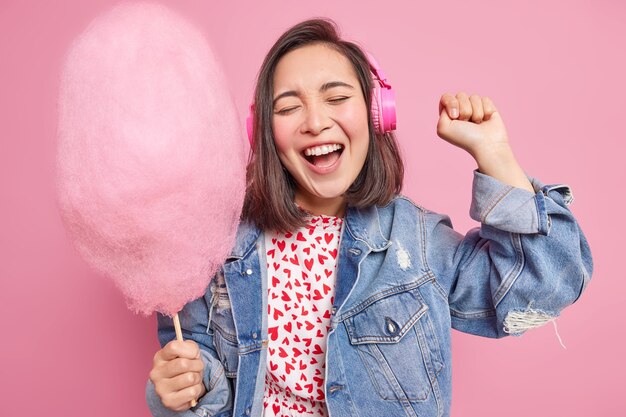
[465,107]
[181,400]
[179,366]
[180,349]
[477,108]
[167,386]
[451,104]
[488,107]
[182,381]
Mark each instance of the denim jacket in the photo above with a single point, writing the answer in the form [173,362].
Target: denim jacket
[404,279]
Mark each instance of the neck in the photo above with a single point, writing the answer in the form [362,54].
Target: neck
[326,206]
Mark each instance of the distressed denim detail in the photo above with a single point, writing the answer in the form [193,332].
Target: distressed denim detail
[519,321]
[562,189]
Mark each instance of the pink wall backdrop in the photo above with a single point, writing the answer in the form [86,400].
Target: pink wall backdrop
[555,70]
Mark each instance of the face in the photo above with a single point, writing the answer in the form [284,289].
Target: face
[320,125]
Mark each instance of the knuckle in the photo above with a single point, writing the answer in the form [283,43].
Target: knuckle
[448,99]
[168,402]
[195,348]
[168,351]
[191,378]
[175,346]
[160,392]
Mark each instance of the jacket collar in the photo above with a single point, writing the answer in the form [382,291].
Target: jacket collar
[247,235]
[363,224]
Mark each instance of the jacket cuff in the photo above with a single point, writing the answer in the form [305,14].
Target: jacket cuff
[513,209]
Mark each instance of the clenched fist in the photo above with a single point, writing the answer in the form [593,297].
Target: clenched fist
[177,372]
[471,123]
[474,124]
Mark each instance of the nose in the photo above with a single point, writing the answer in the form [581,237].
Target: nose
[316,119]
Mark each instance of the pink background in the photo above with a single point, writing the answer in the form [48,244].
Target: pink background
[555,70]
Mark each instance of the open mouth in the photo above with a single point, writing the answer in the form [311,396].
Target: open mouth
[324,155]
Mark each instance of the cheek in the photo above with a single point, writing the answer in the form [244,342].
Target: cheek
[282,135]
[354,120]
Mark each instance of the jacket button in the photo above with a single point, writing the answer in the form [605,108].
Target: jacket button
[392,327]
[255,335]
[249,271]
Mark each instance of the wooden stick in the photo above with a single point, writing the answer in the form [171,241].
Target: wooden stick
[179,337]
[179,333]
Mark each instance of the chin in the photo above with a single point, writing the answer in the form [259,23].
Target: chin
[330,192]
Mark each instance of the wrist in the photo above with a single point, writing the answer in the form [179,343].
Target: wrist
[493,154]
[499,162]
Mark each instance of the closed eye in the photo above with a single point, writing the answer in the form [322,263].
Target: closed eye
[286,110]
[338,99]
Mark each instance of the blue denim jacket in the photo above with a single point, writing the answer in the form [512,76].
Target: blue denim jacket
[404,279]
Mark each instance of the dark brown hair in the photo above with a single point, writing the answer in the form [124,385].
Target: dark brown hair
[269,201]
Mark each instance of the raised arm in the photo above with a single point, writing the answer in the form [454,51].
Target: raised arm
[529,259]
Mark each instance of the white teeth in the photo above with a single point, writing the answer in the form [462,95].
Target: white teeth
[322,150]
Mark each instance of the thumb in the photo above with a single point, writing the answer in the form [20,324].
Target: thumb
[443,124]
[443,115]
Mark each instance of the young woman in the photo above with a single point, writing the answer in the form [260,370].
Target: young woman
[339,295]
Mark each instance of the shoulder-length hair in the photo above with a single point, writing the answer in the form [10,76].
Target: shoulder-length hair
[270,192]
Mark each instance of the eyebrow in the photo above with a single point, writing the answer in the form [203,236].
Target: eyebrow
[325,87]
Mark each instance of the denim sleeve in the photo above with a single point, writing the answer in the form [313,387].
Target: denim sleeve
[194,322]
[526,262]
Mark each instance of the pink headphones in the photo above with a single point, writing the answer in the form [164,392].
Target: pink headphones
[383,103]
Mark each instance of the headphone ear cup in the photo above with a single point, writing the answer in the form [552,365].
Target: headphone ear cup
[383,99]
[250,126]
[387,110]
[377,115]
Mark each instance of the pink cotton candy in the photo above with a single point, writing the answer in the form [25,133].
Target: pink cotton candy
[151,170]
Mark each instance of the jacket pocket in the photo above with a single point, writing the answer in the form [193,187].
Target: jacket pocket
[397,344]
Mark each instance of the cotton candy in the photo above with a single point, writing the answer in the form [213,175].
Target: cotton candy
[150,163]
